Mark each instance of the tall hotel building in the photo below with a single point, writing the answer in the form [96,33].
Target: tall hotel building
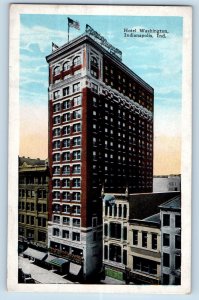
[100,139]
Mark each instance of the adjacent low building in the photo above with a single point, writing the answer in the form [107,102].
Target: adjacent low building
[119,214]
[170,216]
[33,203]
[166,183]
[144,257]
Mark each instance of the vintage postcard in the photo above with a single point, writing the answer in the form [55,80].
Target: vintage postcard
[100,149]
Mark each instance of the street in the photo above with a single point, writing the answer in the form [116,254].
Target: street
[41,275]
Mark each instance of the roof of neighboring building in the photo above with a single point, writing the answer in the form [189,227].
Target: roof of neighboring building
[31,161]
[174,203]
[151,221]
[145,205]
[154,218]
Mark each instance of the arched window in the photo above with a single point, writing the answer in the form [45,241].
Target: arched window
[77,61]
[56,70]
[66,66]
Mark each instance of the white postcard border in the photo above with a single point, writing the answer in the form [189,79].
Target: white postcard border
[12,258]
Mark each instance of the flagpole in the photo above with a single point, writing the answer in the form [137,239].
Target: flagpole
[68,30]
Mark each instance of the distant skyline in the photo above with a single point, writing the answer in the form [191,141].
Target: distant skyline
[158,61]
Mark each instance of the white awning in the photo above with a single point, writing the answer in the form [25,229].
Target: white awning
[74,269]
[35,253]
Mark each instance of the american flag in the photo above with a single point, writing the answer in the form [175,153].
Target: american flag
[72,23]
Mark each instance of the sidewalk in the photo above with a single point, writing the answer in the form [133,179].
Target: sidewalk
[39,274]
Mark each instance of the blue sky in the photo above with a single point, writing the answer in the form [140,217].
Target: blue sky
[157,61]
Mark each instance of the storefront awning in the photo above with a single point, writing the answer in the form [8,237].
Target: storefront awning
[58,261]
[74,269]
[49,258]
[35,253]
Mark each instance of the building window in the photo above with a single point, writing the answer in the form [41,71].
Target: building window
[56,231]
[76,169]
[66,209]
[105,252]
[144,265]
[65,234]
[66,104]
[56,120]
[76,61]
[56,132]
[77,114]
[166,260]
[77,141]
[125,257]
[124,233]
[66,196]
[144,239]
[94,87]
[76,236]
[41,236]
[77,101]
[66,117]
[56,145]
[66,91]
[94,61]
[56,195]
[66,220]
[76,182]
[115,253]
[66,170]
[105,229]
[66,143]
[77,127]
[76,196]
[120,211]
[66,156]
[56,157]
[56,219]
[56,107]
[76,87]
[56,70]
[76,155]
[115,230]
[166,220]
[166,279]
[56,208]
[124,211]
[154,241]
[66,66]
[135,237]
[166,240]
[76,222]
[178,242]
[178,221]
[66,130]
[94,73]
[66,183]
